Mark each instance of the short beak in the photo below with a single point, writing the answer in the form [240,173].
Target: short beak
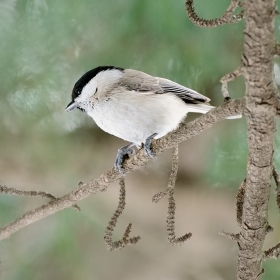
[71,106]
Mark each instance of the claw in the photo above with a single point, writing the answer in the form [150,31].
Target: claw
[127,151]
[147,145]
[122,152]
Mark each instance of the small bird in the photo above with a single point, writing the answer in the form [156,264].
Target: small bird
[134,106]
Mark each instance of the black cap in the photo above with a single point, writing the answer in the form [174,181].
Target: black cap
[83,81]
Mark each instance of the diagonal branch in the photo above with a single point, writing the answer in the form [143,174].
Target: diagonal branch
[182,133]
[227,17]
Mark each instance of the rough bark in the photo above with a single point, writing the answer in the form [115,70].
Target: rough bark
[261,109]
[260,103]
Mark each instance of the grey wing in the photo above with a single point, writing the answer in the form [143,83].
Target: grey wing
[139,81]
[186,94]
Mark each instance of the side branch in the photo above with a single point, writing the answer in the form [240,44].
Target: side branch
[229,78]
[184,132]
[6,190]
[32,193]
[273,253]
[227,17]
[232,236]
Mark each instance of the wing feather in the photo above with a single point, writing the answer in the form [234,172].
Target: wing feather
[141,82]
[186,94]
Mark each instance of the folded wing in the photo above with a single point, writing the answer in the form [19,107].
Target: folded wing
[186,94]
[141,82]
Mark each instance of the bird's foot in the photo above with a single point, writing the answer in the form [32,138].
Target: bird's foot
[147,145]
[123,152]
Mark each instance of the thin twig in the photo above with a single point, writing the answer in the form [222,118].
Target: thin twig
[229,78]
[158,196]
[185,131]
[232,236]
[6,190]
[32,193]
[170,222]
[273,253]
[117,245]
[226,18]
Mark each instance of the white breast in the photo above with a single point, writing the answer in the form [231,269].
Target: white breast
[134,116]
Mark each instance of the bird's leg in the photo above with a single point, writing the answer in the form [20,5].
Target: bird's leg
[147,145]
[126,150]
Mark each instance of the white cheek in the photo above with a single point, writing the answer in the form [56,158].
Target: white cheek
[83,100]
[88,90]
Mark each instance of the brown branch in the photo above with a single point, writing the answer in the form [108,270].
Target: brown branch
[117,245]
[232,236]
[229,78]
[184,132]
[172,178]
[6,190]
[226,18]
[273,253]
[261,104]
[158,196]
[170,222]
[32,193]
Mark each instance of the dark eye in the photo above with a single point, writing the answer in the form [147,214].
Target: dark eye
[95,91]
[76,92]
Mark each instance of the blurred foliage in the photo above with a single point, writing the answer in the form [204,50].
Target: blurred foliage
[45,47]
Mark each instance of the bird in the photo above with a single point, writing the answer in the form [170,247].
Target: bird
[134,106]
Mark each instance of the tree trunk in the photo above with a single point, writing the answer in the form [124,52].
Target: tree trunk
[260,112]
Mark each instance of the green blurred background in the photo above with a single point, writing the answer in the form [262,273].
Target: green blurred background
[45,46]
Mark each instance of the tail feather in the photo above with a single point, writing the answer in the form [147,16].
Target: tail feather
[199,108]
[205,108]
